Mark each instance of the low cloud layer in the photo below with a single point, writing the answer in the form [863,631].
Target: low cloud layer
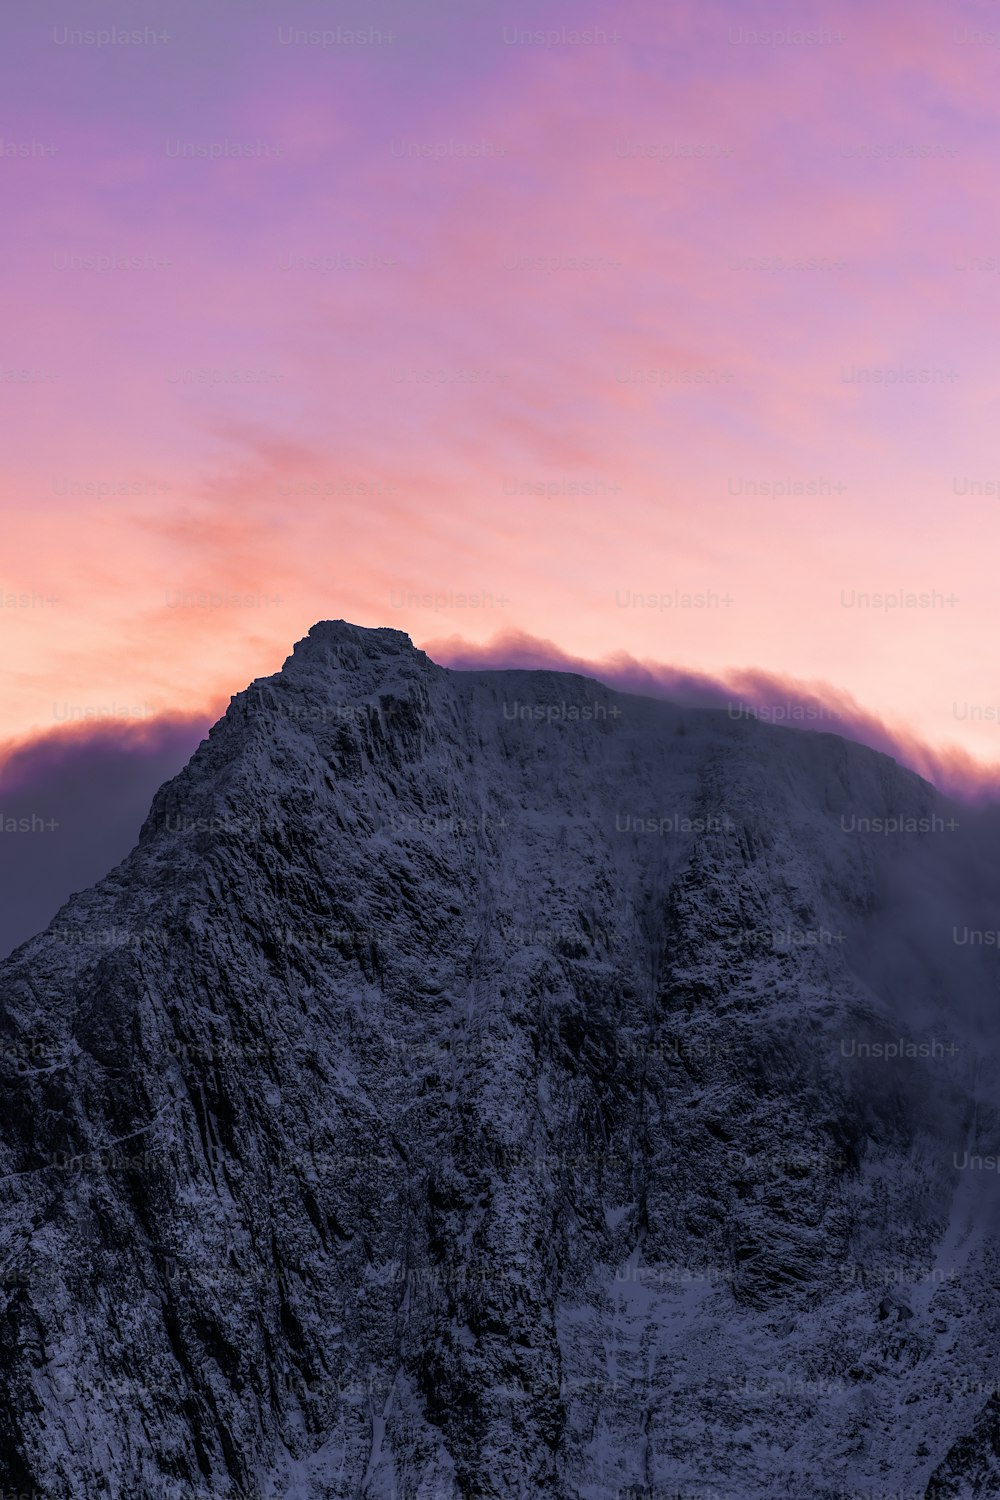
[71,806]
[762,695]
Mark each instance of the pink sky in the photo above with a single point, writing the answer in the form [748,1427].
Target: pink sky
[588,432]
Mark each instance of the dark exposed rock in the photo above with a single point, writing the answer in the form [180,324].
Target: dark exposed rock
[472,1103]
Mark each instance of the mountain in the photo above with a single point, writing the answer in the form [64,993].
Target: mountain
[492,1085]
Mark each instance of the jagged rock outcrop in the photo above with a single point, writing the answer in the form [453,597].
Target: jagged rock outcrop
[491,1085]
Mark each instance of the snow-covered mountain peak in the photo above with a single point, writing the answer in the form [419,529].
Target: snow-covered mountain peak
[490,1084]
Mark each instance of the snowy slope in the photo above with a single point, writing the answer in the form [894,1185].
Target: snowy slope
[487,1084]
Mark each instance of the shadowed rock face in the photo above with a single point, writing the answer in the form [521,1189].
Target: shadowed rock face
[490,1085]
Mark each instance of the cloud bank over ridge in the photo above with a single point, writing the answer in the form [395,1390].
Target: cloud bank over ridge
[72,800]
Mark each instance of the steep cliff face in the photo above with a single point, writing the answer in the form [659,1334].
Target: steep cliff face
[489,1085]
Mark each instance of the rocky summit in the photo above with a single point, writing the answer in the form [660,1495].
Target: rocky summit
[480,1085]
